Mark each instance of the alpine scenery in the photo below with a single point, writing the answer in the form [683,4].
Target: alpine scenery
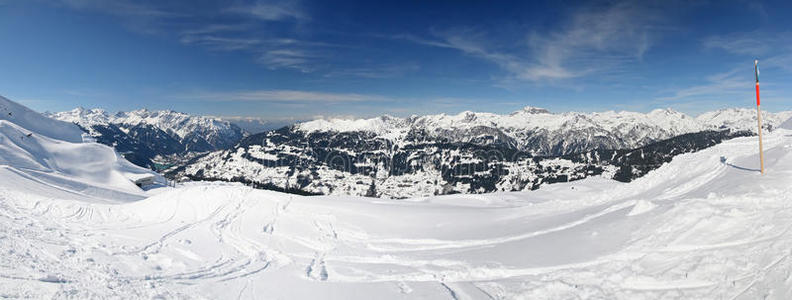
[297,149]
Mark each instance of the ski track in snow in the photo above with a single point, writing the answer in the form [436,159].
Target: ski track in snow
[695,228]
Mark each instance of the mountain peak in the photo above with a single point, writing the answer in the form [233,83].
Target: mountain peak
[533,110]
[467,116]
[665,111]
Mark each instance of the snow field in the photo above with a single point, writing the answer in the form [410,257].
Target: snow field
[695,228]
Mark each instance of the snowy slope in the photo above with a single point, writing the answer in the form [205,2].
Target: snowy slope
[787,124]
[74,169]
[705,226]
[33,121]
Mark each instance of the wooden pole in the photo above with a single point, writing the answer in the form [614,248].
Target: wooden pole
[759,116]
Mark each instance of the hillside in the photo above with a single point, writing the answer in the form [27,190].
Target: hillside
[419,156]
[22,116]
[360,164]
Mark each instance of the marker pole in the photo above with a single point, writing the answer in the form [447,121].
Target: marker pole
[759,116]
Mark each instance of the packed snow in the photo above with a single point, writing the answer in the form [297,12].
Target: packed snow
[705,226]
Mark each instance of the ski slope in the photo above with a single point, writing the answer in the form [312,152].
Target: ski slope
[705,226]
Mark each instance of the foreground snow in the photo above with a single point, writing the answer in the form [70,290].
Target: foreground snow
[706,225]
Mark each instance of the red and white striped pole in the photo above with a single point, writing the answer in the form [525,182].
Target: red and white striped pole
[759,116]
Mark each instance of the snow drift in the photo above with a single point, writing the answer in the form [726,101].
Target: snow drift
[705,226]
[59,159]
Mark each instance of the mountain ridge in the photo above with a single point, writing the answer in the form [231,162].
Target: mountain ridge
[540,132]
[150,138]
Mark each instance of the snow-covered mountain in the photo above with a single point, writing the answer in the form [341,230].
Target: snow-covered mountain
[742,119]
[144,134]
[354,163]
[257,125]
[706,225]
[465,153]
[197,133]
[531,129]
[539,132]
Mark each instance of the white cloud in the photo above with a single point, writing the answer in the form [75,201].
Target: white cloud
[379,71]
[741,43]
[119,7]
[221,43]
[275,51]
[272,11]
[215,28]
[592,39]
[772,49]
[734,82]
[287,58]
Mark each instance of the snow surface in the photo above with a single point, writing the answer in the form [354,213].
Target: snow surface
[89,171]
[787,124]
[35,122]
[705,226]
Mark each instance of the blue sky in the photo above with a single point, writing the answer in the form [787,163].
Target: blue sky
[281,60]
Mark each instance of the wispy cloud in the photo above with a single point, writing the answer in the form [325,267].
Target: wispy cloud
[287,58]
[378,71]
[221,43]
[272,10]
[275,49]
[734,82]
[285,96]
[119,7]
[742,43]
[215,28]
[140,17]
[591,40]
[772,49]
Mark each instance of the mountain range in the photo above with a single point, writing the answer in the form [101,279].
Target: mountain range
[466,153]
[539,132]
[148,137]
